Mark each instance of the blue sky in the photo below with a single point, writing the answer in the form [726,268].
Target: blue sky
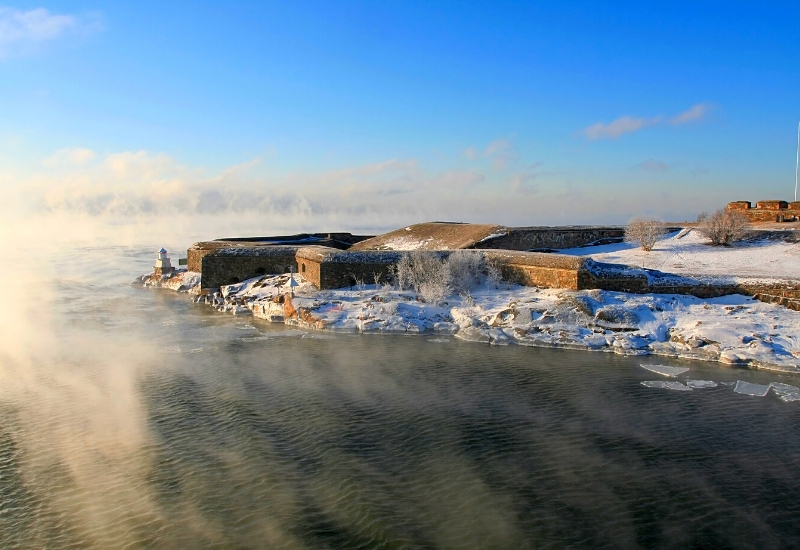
[396,112]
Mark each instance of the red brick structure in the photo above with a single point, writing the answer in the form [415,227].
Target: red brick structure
[768,211]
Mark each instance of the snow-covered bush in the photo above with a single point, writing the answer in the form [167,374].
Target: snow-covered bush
[402,272]
[466,270]
[493,275]
[644,232]
[724,227]
[434,277]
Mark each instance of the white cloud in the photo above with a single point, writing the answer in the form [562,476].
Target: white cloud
[134,183]
[618,127]
[652,165]
[458,179]
[500,152]
[23,31]
[696,112]
[521,184]
[628,124]
[135,188]
[77,156]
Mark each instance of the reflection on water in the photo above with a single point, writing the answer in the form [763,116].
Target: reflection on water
[142,420]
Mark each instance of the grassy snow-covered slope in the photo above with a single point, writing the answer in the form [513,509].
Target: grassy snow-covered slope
[689,254]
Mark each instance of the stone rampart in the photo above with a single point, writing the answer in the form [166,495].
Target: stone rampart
[226,266]
[540,269]
[330,268]
[452,236]
[767,211]
[198,251]
[532,238]
[326,267]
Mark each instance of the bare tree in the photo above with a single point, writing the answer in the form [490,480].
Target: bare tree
[435,276]
[724,227]
[644,232]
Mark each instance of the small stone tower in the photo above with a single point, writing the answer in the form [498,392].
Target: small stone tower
[163,267]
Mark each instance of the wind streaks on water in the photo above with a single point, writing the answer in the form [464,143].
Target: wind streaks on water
[166,426]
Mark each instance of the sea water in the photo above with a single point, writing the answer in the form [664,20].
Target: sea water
[134,418]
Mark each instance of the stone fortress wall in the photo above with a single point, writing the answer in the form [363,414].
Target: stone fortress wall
[329,268]
[336,260]
[228,265]
[547,238]
[232,261]
[767,211]
[199,250]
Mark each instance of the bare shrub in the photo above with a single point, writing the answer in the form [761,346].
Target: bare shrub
[403,272]
[493,275]
[644,232]
[466,270]
[468,300]
[724,227]
[434,278]
[426,273]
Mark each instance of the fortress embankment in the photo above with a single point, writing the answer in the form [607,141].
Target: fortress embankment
[767,211]
[343,260]
[335,260]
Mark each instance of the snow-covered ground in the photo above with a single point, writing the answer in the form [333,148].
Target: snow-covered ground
[688,253]
[736,330]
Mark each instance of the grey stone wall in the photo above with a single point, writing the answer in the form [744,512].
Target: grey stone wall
[231,265]
[529,238]
[329,268]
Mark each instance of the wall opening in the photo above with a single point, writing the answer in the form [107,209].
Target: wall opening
[303,268]
[261,271]
[233,281]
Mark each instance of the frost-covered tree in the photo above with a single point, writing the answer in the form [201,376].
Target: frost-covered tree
[644,232]
[466,269]
[434,276]
[724,227]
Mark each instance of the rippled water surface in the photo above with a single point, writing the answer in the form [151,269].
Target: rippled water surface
[133,418]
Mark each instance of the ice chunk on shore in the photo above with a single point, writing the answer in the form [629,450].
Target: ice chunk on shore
[785,392]
[748,388]
[667,385]
[664,370]
[701,384]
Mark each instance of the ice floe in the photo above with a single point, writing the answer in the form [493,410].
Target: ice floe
[698,384]
[665,370]
[748,388]
[785,392]
[666,384]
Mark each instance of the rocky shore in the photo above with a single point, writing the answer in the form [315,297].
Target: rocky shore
[733,330]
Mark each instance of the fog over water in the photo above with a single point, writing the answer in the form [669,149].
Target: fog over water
[133,418]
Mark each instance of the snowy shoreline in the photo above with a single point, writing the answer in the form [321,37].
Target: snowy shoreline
[734,330]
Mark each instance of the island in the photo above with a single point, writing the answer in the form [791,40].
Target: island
[577,287]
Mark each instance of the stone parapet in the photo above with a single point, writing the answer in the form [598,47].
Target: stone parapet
[231,265]
[327,267]
[532,238]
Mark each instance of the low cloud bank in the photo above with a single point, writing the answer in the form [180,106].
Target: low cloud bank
[135,196]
